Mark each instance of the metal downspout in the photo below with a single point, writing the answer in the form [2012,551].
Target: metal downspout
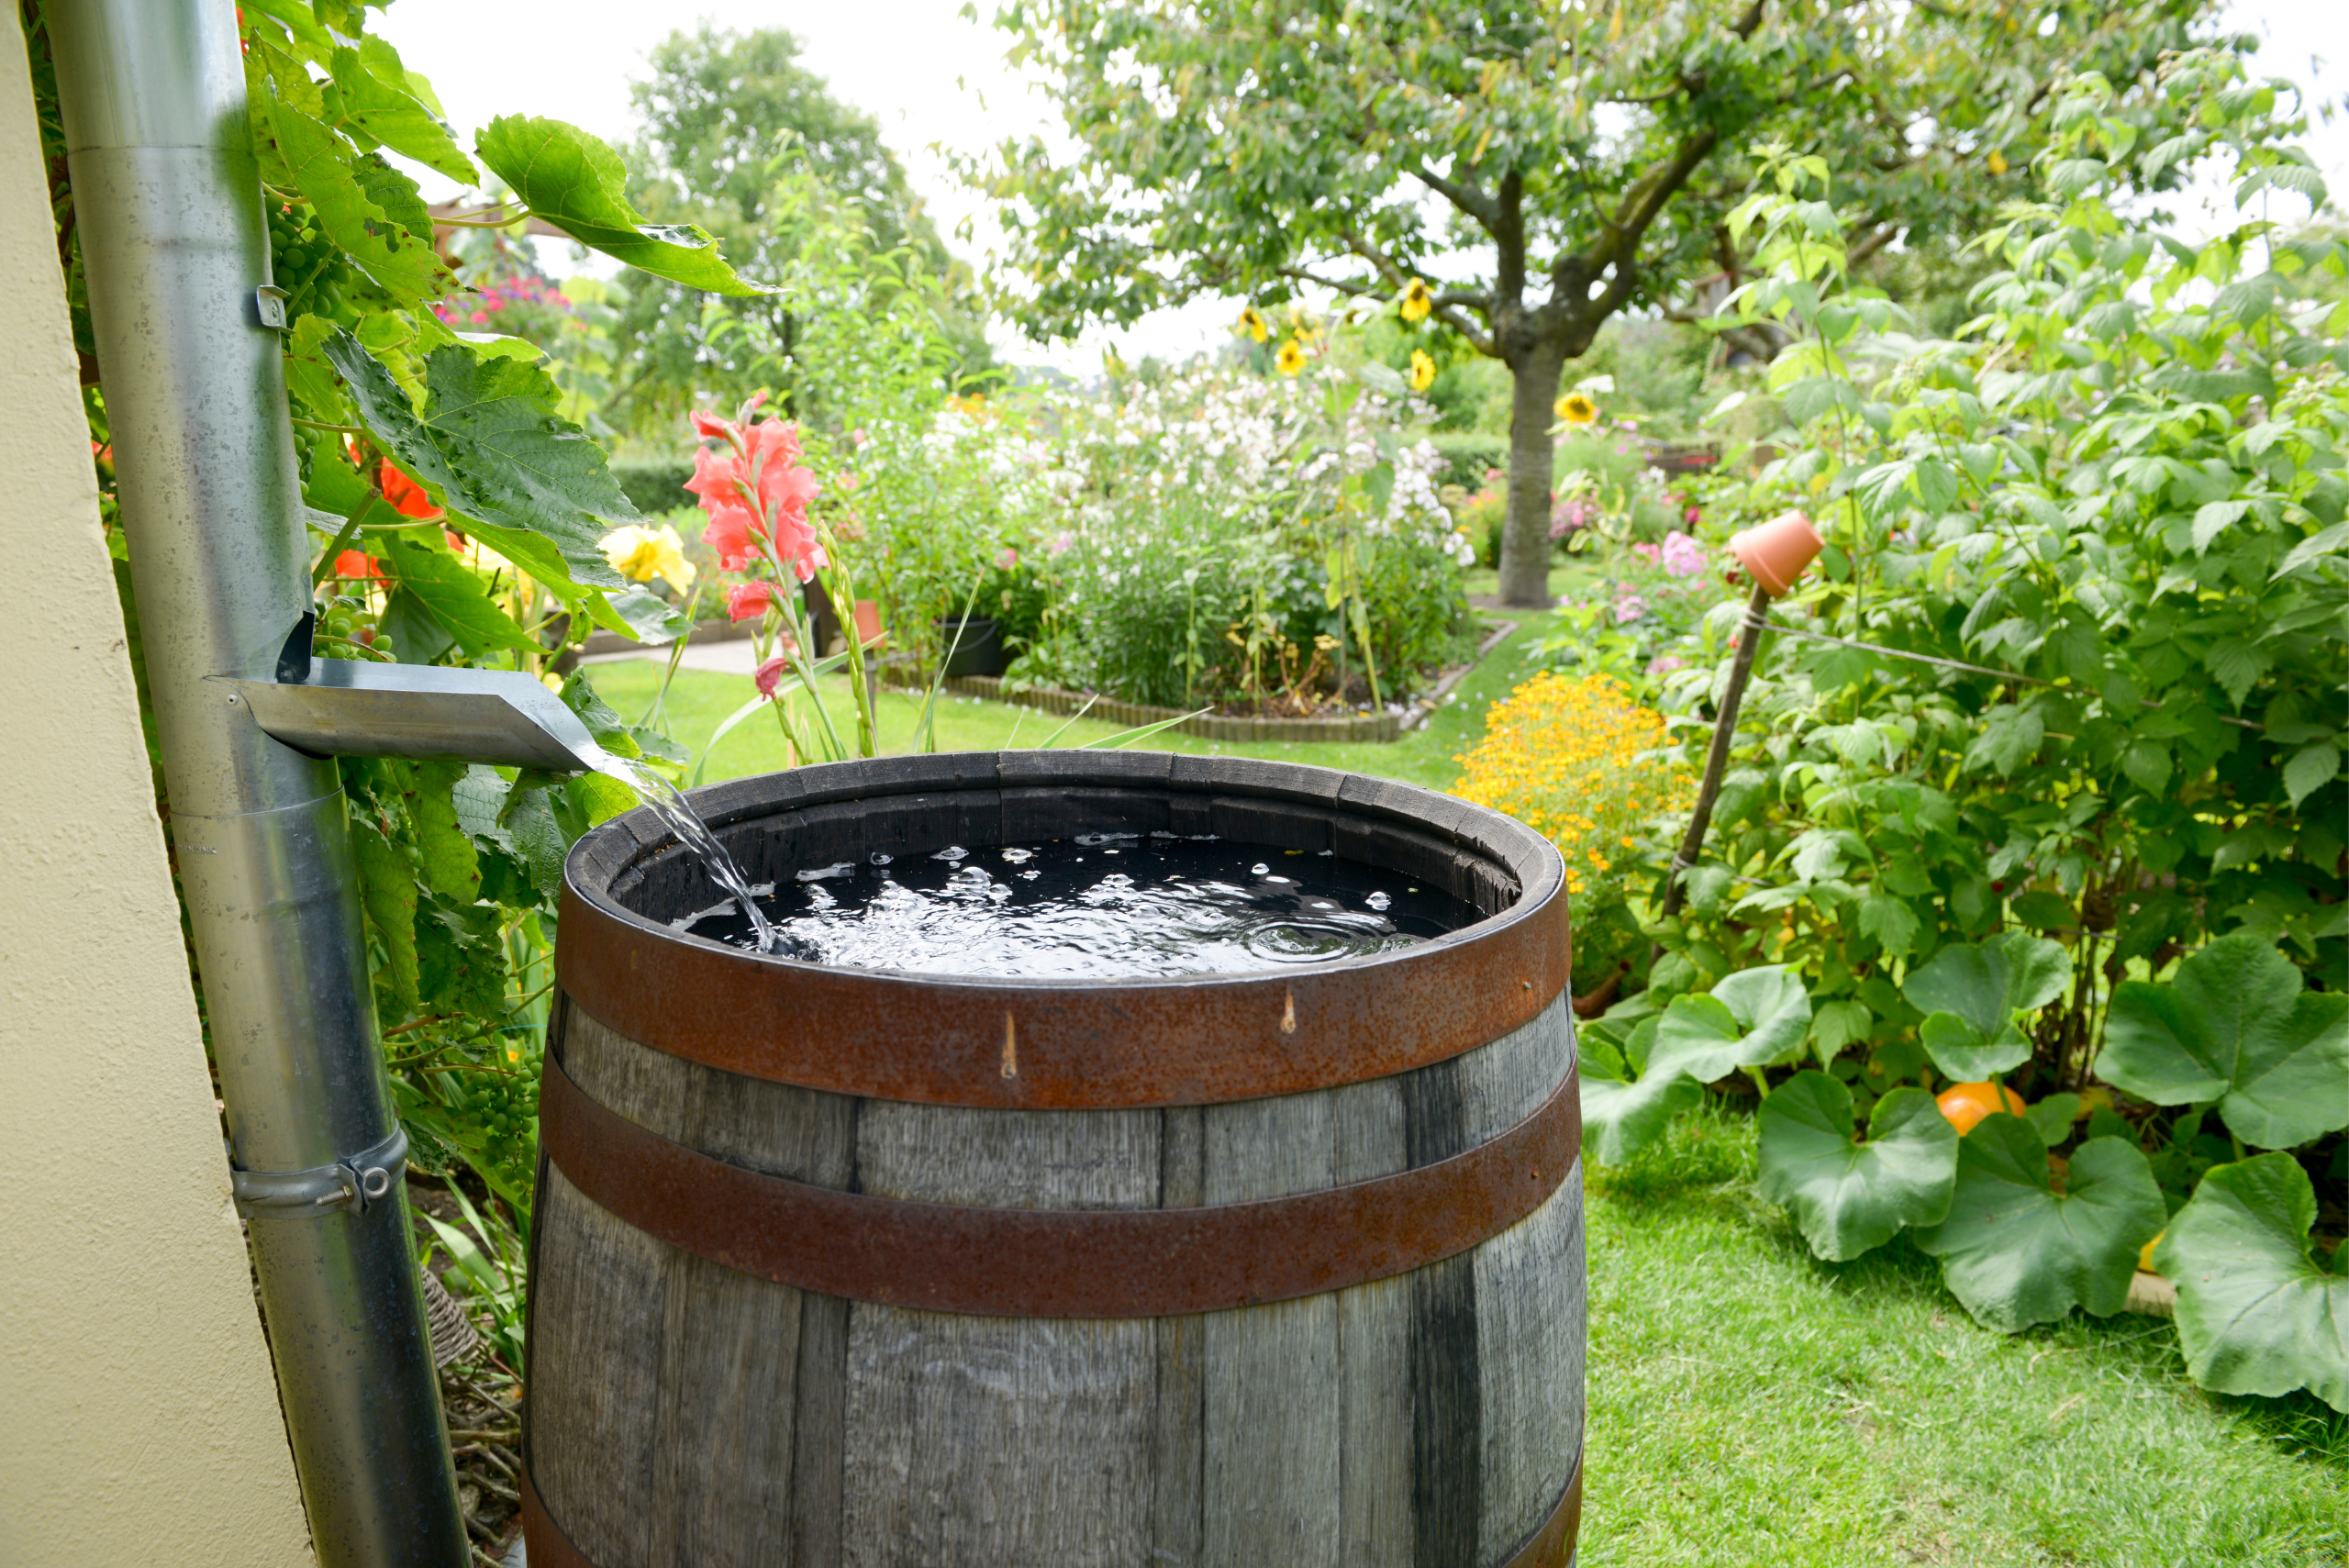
[168,202]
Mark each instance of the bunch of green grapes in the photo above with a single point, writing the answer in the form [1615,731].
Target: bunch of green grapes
[502,1103]
[313,271]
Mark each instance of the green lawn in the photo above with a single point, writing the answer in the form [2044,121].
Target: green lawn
[1753,1406]
[699,703]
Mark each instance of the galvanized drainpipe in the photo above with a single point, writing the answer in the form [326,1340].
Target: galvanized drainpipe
[168,204]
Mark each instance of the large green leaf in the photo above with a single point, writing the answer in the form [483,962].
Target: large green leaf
[444,850]
[2236,1027]
[321,163]
[2017,1252]
[2256,1312]
[1620,1117]
[1960,1051]
[452,594]
[488,448]
[381,110]
[1754,1019]
[579,184]
[1973,996]
[388,889]
[639,614]
[1849,1196]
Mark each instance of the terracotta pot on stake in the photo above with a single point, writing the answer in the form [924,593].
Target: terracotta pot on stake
[1774,555]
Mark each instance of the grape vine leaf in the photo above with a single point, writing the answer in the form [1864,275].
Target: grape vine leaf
[2014,1251]
[487,448]
[380,108]
[1847,1196]
[1754,1019]
[2237,1026]
[452,595]
[1972,994]
[578,183]
[320,163]
[461,958]
[444,850]
[387,890]
[2256,1312]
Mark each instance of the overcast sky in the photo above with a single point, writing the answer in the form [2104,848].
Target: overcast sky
[935,80]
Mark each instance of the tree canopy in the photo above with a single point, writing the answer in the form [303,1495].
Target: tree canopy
[1543,167]
[738,137]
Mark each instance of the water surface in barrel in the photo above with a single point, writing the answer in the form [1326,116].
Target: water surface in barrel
[1096,906]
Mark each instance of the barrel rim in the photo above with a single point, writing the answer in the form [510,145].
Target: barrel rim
[1040,1042]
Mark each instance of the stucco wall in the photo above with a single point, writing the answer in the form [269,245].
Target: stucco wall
[139,1420]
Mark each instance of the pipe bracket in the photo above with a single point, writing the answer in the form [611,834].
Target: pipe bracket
[350,1184]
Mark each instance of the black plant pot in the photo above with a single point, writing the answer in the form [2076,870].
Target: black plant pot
[977,650]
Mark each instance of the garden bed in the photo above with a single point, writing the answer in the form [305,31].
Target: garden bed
[1240,727]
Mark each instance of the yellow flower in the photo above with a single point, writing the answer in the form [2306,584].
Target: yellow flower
[1576,408]
[1252,325]
[1423,371]
[1997,161]
[1291,358]
[640,554]
[1417,300]
[1565,756]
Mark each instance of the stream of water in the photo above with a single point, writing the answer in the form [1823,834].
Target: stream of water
[668,803]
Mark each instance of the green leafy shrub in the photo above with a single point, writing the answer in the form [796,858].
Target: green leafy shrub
[2051,797]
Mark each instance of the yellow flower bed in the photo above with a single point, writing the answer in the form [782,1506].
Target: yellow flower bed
[1570,756]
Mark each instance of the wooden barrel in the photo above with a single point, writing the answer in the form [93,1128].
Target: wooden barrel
[869,1269]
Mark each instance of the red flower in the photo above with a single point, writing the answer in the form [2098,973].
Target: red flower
[357,564]
[746,600]
[771,673]
[408,498]
[717,477]
[733,533]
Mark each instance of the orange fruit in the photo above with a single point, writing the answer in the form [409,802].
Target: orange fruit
[1966,1104]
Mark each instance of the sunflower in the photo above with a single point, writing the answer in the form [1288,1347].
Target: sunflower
[1576,408]
[1416,301]
[1291,358]
[1423,371]
[1253,326]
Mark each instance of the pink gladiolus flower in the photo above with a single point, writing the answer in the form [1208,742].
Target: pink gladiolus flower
[770,675]
[733,533]
[745,601]
[715,473]
[1691,517]
[710,427]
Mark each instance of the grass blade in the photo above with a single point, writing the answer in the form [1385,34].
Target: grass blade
[1045,744]
[737,716]
[1124,738]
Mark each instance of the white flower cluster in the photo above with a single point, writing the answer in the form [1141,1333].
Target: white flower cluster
[1244,445]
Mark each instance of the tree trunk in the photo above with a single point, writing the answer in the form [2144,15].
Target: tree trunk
[1525,538]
